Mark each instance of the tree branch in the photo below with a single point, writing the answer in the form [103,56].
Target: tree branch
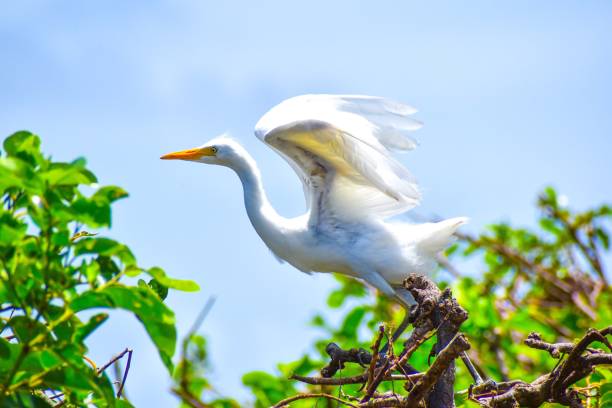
[554,386]
[289,400]
[447,356]
[357,379]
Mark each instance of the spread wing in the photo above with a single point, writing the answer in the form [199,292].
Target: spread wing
[340,147]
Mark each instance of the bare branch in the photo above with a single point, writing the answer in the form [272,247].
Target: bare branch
[357,379]
[339,357]
[457,346]
[289,400]
[125,374]
[554,386]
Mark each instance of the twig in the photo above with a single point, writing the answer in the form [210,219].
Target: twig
[56,396]
[534,340]
[375,382]
[457,346]
[589,253]
[188,398]
[554,386]
[339,357]
[183,390]
[297,397]
[444,263]
[113,360]
[125,374]
[375,348]
[202,315]
[357,379]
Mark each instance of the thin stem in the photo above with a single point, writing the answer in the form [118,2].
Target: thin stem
[289,400]
[125,374]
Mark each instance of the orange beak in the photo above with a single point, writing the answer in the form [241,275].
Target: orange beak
[189,154]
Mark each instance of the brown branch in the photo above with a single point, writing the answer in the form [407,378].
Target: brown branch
[297,397]
[574,368]
[441,311]
[448,355]
[375,381]
[554,386]
[426,294]
[375,349]
[393,400]
[188,398]
[588,251]
[534,340]
[356,379]
[435,312]
[339,357]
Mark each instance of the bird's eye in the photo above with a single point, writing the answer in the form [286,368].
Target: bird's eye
[213,149]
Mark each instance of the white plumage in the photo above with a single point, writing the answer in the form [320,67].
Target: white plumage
[340,147]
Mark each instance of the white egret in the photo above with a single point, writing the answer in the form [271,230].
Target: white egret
[340,147]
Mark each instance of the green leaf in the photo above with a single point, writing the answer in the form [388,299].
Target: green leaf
[16,173]
[106,247]
[8,356]
[606,395]
[267,388]
[11,229]
[96,210]
[85,330]
[108,267]
[123,404]
[161,290]
[64,331]
[109,194]
[603,237]
[351,323]
[94,213]
[156,317]
[303,367]
[179,284]
[65,174]
[132,271]
[26,328]
[24,145]
[336,299]
[79,377]
[551,226]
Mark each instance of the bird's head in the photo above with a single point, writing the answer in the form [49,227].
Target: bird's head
[221,150]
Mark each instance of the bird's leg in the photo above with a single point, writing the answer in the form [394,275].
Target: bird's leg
[402,327]
[397,333]
[470,367]
[375,279]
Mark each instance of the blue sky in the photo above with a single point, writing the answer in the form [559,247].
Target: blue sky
[515,95]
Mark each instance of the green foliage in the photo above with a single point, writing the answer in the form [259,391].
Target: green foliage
[550,281]
[190,376]
[51,269]
[55,265]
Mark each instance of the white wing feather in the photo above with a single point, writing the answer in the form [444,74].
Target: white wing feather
[340,147]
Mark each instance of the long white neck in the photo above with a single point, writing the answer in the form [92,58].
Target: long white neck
[266,221]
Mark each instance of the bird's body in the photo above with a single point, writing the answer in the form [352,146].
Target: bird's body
[340,148]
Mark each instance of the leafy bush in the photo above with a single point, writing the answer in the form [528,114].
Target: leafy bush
[51,269]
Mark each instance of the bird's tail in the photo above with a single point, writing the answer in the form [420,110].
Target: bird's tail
[438,235]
